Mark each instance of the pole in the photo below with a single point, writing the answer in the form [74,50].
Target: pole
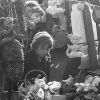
[90,37]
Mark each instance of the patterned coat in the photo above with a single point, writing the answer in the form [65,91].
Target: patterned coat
[12,58]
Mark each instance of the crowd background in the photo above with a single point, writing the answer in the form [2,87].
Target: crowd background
[16,20]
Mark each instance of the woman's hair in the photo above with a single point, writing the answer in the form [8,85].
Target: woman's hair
[35,6]
[42,38]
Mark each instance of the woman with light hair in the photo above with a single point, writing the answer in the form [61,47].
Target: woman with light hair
[33,19]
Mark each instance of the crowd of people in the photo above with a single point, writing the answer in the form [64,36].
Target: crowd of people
[21,53]
[15,62]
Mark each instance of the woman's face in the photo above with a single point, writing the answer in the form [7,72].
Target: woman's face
[43,51]
[34,16]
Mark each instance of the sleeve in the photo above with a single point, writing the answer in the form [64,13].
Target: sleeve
[28,62]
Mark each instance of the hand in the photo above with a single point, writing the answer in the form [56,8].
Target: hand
[53,66]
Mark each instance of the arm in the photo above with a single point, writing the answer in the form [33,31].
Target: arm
[68,50]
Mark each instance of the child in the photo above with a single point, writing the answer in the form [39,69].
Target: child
[38,56]
[12,63]
[8,29]
[11,56]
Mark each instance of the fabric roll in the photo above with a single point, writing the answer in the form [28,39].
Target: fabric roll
[77,20]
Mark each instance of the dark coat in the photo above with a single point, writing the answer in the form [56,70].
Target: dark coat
[32,63]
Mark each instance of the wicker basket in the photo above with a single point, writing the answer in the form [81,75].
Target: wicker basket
[30,80]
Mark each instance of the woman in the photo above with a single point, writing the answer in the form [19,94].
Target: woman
[38,58]
[34,20]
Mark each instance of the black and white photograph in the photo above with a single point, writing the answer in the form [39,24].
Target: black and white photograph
[49,49]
